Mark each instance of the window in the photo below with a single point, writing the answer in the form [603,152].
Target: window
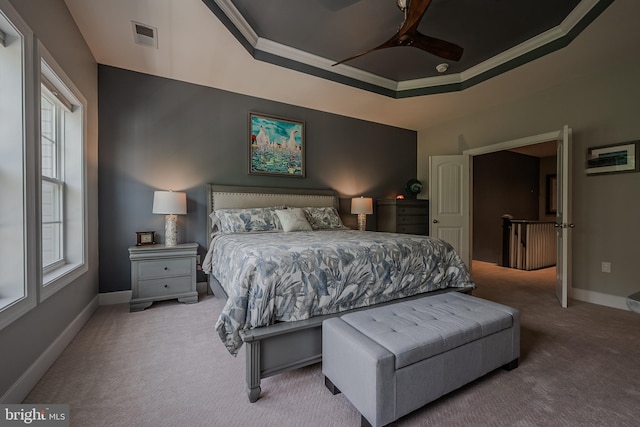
[62,178]
[52,192]
[18,256]
[42,170]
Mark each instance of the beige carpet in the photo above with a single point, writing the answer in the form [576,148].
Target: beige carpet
[165,366]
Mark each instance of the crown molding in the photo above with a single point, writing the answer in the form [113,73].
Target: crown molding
[278,54]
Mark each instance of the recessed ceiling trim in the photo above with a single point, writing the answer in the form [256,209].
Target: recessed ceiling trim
[446,79]
[515,52]
[278,49]
[279,54]
[505,57]
[543,39]
[579,13]
[317,72]
[236,18]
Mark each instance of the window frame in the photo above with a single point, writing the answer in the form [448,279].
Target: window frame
[28,246]
[74,237]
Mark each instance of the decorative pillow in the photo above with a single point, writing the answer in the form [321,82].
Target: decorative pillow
[215,223]
[293,219]
[323,218]
[249,219]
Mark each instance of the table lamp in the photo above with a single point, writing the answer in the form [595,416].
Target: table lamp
[362,206]
[170,203]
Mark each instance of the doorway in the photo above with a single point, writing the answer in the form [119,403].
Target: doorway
[563,223]
[514,184]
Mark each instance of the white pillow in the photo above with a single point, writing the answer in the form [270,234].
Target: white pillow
[293,219]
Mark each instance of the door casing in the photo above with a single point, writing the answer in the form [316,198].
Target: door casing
[564,257]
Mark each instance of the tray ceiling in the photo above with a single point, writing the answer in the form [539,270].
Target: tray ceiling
[311,36]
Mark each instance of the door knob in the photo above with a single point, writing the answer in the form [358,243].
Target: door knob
[572,226]
[556,225]
[435,221]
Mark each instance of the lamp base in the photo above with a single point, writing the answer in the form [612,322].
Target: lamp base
[171,230]
[362,222]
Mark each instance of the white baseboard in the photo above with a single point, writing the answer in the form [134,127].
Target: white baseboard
[28,380]
[599,298]
[110,298]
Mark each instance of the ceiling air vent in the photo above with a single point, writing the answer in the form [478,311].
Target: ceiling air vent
[145,35]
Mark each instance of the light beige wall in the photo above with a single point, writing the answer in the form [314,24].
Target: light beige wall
[23,342]
[601,109]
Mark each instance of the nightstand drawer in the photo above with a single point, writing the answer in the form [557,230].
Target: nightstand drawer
[164,268]
[154,288]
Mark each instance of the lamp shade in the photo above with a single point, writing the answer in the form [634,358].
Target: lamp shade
[169,202]
[362,205]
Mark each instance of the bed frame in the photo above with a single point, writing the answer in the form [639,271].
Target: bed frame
[285,346]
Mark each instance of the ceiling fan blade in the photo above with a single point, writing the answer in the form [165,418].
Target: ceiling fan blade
[393,41]
[408,35]
[441,48]
[416,11]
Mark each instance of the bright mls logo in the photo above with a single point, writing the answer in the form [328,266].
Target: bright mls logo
[37,415]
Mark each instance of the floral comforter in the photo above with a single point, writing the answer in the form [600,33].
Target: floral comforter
[278,277]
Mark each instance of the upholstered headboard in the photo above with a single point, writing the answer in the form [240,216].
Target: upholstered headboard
[234,196]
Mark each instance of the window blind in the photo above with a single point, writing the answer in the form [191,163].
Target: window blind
[55,92]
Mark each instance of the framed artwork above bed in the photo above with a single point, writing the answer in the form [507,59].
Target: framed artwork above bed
[276,146]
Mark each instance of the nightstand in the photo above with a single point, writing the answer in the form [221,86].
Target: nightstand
[408,216]
[160,272]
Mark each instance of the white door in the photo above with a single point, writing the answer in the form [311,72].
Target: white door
[449,202]
[564,222]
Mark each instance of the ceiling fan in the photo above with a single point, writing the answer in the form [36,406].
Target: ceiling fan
[408,34]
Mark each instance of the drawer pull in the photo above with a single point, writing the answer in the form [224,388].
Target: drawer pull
[166,268]
[166,286]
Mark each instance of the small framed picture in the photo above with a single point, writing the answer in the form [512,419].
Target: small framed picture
[145,238]
[613,158]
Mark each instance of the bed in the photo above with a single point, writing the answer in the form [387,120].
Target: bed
[284,262]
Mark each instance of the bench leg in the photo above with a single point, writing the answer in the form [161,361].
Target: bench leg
[511,365]
[331,386]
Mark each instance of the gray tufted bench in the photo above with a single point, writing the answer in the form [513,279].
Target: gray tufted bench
[391,360]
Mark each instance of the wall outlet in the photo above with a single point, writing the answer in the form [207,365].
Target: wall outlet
[606,267]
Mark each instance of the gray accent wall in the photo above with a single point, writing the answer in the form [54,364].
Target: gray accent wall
[36,333]
[159,134]
[601,108]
